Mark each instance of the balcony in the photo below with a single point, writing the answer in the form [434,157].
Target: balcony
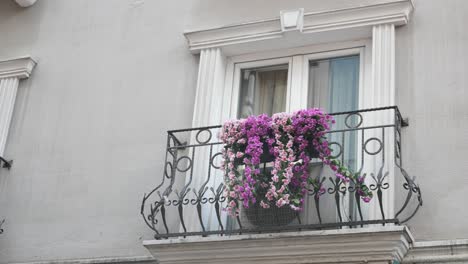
[189,200]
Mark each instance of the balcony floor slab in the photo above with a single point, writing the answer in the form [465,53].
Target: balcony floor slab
[380,244]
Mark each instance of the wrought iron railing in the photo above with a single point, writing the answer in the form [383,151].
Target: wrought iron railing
[189,200]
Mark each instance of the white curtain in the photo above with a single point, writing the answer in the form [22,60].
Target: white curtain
[334,86]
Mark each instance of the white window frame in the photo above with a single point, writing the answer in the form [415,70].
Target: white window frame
[298,71]
[235,86]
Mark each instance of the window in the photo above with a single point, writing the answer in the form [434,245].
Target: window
[334,83]
[329,80]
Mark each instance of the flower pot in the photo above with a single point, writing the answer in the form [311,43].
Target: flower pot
[269,217]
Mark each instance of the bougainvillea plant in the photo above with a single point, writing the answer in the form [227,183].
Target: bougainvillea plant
[291,140]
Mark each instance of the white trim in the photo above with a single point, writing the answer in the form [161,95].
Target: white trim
[301,50]
[17,68]
[8,90]
[396,13]
[382,93]
[446,251]
[369,245]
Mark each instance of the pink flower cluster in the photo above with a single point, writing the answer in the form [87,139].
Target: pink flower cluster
[293,139]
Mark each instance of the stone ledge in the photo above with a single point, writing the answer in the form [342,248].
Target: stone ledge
[361,245]
[109,260]
[446,251]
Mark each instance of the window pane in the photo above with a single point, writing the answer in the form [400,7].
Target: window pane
[263,90]
[334,86]
[333,83]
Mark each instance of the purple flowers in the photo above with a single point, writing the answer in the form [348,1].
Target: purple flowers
[293,139]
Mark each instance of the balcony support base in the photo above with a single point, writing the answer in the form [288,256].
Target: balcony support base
[379,244]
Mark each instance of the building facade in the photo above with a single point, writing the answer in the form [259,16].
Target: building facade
[89,89]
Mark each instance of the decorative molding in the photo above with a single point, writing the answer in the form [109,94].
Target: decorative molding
[8,89]
[17,68]
[361,245]
[383,63]
[11,71]
[292,19]
[396,13]
[25,3]
[133,260]
[447,251]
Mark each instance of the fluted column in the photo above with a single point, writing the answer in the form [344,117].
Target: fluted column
[11,72]
[8,89]
[383,86]
[383,64]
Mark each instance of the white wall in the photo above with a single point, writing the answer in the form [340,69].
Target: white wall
[88,130]
[432,87]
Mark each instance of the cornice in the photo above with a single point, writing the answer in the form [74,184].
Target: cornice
[446,251]
[372,245]
[20,67]
[397,13]
[108,260]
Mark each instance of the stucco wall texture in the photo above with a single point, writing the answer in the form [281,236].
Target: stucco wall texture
[88,131]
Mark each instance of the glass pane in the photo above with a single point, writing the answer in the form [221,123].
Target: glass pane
[333,83]
[263,90]
[334,86]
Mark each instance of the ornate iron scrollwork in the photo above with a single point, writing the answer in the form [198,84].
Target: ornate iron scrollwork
[189,200]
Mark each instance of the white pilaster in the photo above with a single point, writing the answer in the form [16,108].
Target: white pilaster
[383,64]
[11,71]
[383,89]
[8,89]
